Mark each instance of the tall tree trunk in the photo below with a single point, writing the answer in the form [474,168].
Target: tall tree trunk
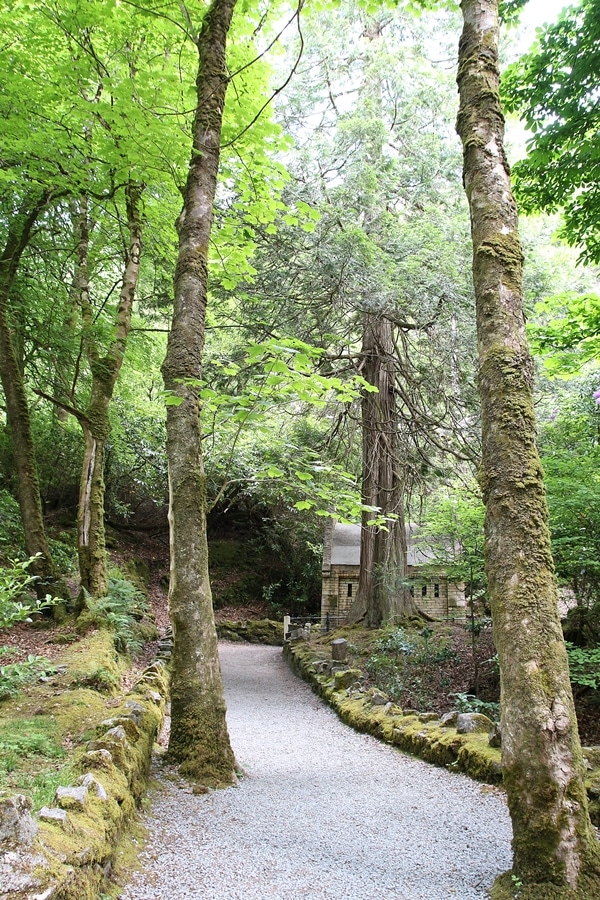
[383,596]
[199,739]
[17,406]
[556,853]
[95,420]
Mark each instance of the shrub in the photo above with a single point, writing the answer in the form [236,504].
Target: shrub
[584,666]
[471,703]
[15,605]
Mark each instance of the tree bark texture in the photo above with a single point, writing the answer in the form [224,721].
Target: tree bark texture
[199,739]
[95,420]
[555,850]
[383,596]
[17,406]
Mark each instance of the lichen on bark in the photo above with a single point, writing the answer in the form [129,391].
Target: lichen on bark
[556,853]
[199,740]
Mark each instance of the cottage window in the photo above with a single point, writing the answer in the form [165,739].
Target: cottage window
[412,590]
[436,590]
[424,591]
[349,588]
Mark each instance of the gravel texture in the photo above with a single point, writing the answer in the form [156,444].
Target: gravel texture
[322,813]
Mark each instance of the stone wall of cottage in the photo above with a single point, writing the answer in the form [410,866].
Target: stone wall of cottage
[433,594]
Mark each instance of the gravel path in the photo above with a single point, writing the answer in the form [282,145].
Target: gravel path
[323,813]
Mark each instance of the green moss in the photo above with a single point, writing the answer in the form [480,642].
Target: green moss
[254,631]
[478,760]
[199,743]
[509,887]
[506,248]
[94,662]
[77,852]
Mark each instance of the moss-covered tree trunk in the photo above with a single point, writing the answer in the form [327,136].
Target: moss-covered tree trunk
[17,406]
[199,740]
[555,850]
[95,420]
[383,596]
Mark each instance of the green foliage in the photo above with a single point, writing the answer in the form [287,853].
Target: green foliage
[271,379]
[554,88]
[31,758]
[31,737]
[406,666]
[13,676]
[119,610]
[470,703]
[15,605]
[452,531]
[396,642]
[584,665]
[11,531]
[570,451]
[567,332]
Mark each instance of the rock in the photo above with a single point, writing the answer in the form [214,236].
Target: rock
[592,756]
[136,711]
[343,680]
[593,787]
[18,874]
[495,736]
[126,722]
[115,741]
[97,759]
[53,814]
[154,696]
[72,797]
[298,634]
[448,720]
[473,723]
[428,717]
[322,666]
[17,825]
[339,649]
[378,699]
[92,784]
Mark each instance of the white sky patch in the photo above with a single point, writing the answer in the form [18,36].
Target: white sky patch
[535,14]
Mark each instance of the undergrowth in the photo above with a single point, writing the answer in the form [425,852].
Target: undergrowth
[32,758]
[409,667]
[121,610]
[14,675]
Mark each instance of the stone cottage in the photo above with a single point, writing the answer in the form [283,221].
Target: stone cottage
[433,593]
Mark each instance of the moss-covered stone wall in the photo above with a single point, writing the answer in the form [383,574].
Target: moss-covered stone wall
[437,740]
[69,847]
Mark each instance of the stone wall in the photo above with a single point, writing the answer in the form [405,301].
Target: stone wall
[66,851]
[440,600]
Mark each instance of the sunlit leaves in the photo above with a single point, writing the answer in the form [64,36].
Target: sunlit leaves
[567,332]
[555,90]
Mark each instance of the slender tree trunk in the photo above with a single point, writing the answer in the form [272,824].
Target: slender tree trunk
[199,739]
[95,420]
[17,406]
[383,596]
[556,853]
